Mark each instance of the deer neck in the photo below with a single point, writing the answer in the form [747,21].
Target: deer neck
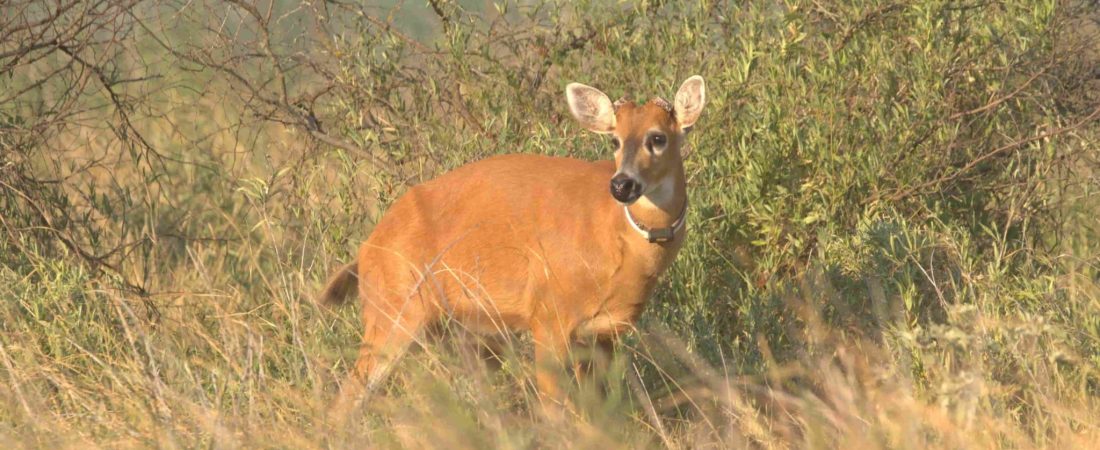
[664,205]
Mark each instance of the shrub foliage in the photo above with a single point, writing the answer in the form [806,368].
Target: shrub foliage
[892,232]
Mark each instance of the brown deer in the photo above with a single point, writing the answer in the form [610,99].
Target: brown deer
[529,242]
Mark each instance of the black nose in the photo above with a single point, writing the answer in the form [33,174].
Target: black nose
[625,189]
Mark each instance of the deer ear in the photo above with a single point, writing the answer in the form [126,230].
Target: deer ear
[689,101]
[591,107]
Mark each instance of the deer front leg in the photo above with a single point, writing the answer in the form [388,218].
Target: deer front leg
[551,353]
[592,359]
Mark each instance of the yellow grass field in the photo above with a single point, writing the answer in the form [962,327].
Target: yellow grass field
[892,233]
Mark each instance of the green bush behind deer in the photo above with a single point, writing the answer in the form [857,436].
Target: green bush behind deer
[892,237]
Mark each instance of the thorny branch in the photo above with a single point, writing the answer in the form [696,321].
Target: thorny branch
[53,56]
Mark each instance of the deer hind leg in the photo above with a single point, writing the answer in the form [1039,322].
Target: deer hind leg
[388,333]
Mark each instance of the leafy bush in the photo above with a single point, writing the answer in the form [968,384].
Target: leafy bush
[892,239]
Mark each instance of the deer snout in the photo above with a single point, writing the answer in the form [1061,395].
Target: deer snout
[625,189]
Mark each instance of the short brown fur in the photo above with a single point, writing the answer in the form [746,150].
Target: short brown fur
[518,242]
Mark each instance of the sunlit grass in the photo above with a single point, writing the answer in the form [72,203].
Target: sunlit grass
[852,279]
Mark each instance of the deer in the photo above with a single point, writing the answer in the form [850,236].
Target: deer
[565,249]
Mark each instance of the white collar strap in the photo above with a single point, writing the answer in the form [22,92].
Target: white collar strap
[657,235]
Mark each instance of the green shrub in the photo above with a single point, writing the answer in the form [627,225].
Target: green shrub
[892,232]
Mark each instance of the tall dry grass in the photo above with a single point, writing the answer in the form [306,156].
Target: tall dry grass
[892,242]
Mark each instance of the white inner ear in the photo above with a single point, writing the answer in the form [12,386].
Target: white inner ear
[689,101]
[592,108]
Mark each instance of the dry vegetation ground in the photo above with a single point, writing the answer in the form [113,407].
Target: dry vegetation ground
[893,242]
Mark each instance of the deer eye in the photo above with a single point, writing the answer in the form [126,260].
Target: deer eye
[659,139]
[615,142]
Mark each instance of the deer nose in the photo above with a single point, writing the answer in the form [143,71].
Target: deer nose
[625,189]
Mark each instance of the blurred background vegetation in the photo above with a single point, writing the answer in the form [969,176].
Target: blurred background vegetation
[893,231]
